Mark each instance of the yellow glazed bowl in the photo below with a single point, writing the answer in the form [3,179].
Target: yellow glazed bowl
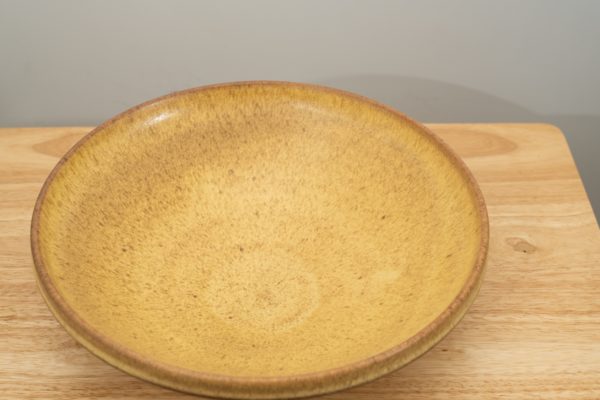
[259,240]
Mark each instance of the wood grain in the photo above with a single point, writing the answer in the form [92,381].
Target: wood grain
[533,332]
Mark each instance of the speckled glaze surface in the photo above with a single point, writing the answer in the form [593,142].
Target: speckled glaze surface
[259,240]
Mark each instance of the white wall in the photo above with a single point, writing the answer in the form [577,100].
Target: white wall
[68,62]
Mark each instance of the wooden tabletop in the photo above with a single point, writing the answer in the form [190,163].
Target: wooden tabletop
[533,332]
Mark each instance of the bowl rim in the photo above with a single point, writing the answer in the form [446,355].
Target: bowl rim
[298,385]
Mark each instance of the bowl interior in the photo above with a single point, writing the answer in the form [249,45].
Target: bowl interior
[259,230]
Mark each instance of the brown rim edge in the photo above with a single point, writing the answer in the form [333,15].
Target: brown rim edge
[300,385]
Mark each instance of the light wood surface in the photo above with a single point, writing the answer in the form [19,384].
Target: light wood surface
[533,332]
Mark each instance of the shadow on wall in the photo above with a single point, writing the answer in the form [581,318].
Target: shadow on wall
[435,101]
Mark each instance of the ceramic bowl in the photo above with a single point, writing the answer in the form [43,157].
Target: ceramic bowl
[259,240]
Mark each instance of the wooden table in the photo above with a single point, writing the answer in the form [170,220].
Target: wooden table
[533,332]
